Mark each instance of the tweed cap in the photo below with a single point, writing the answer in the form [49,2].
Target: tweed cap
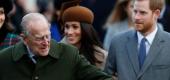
[7,5]
[78,13]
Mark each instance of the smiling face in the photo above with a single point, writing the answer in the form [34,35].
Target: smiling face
[72,32]
[2,17]
[38,37]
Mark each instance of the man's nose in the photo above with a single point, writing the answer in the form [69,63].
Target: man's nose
[137,16]
[46,40]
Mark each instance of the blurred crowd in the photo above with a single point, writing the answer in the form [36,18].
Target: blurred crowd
[53,8]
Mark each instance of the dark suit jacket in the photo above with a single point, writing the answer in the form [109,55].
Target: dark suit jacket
[62,63]
[123,57]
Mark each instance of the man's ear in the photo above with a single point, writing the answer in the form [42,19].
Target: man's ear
[157,13]
[23,38]
[22,35]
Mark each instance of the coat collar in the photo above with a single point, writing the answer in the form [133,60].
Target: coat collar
[20,50]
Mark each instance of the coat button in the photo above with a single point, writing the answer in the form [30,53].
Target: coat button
[36,77]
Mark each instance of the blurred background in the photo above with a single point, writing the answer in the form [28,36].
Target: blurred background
[52,9]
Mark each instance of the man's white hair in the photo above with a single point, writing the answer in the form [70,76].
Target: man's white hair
[31,17]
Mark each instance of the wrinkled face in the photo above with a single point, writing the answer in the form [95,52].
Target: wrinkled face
[38,38]
[72,32]
[143,17]
[2,17]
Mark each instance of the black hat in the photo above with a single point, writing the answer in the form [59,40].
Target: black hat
[7,5]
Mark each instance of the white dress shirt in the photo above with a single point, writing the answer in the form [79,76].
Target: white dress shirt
[149,39]
[31,55]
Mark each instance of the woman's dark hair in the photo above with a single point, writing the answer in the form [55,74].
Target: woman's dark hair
[7,5]
[88,40]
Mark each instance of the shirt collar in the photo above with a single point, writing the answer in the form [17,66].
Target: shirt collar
[30,52]
[150,37]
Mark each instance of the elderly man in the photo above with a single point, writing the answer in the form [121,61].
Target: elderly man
[38,57]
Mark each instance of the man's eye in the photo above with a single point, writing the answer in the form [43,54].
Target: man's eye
[39,38]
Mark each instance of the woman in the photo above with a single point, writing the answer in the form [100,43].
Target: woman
[119,21]
[6,36]
[79,32]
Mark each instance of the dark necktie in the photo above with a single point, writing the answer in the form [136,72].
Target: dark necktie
[142,52]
